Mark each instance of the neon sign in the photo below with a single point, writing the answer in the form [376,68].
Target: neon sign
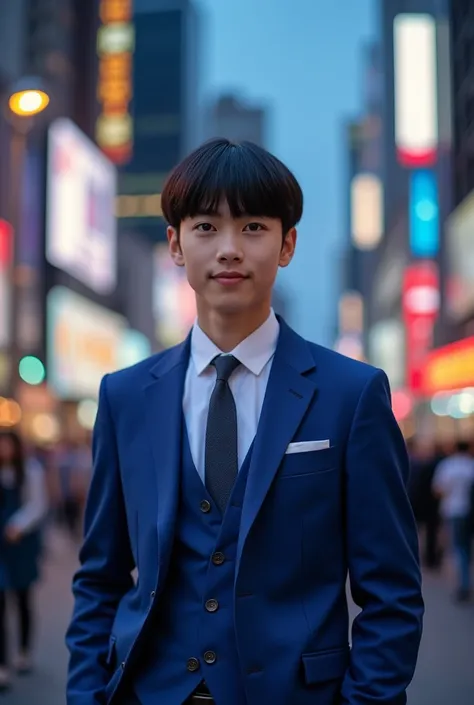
[115,46]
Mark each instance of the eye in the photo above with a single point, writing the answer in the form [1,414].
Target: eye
[254,227]
[204,227]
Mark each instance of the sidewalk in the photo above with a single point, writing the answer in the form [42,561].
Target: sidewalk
[445,673]
[47,685]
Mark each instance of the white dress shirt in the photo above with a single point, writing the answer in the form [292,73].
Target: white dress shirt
[248,384]
[454,478]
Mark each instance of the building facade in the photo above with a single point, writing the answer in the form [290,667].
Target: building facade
[165,108]
[231,117]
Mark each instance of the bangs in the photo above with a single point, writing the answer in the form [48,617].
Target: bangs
[251,181]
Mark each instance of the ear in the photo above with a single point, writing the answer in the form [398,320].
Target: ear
[174,246]
[288,248]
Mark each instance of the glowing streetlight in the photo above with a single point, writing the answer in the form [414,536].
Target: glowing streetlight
[25,103]
[26,99]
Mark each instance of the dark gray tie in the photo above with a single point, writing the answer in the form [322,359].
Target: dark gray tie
[221,456]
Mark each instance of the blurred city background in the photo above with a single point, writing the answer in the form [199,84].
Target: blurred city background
[370,103]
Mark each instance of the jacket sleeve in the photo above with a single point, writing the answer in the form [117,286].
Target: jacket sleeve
[106,564]
[382,545]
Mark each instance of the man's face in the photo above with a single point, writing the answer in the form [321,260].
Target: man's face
[231,263]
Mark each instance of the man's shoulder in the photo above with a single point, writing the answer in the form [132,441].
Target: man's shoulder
[339,367]
[137,375]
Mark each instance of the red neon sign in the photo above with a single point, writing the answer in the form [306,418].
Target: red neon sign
[420,310]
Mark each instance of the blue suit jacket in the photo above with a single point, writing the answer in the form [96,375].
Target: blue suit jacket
[309,520]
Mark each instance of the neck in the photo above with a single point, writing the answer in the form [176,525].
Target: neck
[227,331]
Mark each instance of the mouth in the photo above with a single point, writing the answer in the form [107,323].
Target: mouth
[229,278]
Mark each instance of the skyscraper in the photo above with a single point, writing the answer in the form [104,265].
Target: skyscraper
[229,116]
[165,108]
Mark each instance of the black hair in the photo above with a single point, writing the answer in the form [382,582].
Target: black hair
[18,462]
[251,180]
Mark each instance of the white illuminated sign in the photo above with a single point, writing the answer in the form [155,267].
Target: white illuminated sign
[81,229]
[416,113]
[84,342]
[366,211]
[460,251]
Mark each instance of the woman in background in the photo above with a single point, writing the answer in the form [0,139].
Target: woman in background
[23,507]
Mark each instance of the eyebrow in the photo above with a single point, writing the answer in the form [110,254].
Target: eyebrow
[218,214]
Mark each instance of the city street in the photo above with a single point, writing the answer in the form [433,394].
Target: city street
[444,675]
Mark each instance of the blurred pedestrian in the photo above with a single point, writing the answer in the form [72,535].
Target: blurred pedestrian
[72,467]
[425,502]
[453,481]
[23,507]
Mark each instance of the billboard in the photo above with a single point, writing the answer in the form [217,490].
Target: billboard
[366,211]
[424,214]
[174,302]
[416,111]
[6,246]
[387,350]
[460,251]
[421,302]
[84,342]
[449,368]
[81,230]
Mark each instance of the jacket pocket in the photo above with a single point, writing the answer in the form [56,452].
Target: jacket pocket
[309,463]
[110,660]
[324,666]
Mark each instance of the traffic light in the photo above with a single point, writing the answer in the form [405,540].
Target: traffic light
[32,370]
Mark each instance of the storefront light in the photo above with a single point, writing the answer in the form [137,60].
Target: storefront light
[31,370]
[439,404]
[86,413]
[46,428]
[454,409]
[10,413]
[466,402]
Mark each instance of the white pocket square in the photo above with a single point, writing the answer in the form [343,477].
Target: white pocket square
[307,446]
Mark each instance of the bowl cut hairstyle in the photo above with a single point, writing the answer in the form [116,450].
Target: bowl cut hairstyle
[251,180]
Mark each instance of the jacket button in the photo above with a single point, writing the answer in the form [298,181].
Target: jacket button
[205,506]
[210,657]
[192,665]
[152,594]
[122,665]
[212,605]
[218,558]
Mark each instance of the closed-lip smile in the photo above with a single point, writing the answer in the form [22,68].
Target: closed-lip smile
[229,277]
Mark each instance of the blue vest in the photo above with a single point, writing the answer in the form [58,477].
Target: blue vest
[195,624]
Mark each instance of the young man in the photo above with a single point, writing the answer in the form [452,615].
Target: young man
[245,474]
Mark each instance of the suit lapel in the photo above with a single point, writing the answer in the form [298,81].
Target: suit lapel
[164,396]
[287,399]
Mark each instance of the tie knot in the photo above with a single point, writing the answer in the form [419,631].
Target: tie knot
[225,365]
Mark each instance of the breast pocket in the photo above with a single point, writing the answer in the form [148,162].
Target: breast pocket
[308,463]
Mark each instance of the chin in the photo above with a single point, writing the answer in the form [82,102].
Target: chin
[230,306]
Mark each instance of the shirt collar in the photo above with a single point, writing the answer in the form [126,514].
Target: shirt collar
[254,352]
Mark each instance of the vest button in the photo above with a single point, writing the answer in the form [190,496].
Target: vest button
[210,657]
[212,605]
[192,665]
[218,558]
[205,506]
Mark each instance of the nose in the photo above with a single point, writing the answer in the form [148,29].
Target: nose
[230,249]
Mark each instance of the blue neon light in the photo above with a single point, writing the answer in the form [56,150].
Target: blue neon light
[424,214]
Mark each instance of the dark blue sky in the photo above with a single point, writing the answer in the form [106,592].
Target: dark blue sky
[303,59]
